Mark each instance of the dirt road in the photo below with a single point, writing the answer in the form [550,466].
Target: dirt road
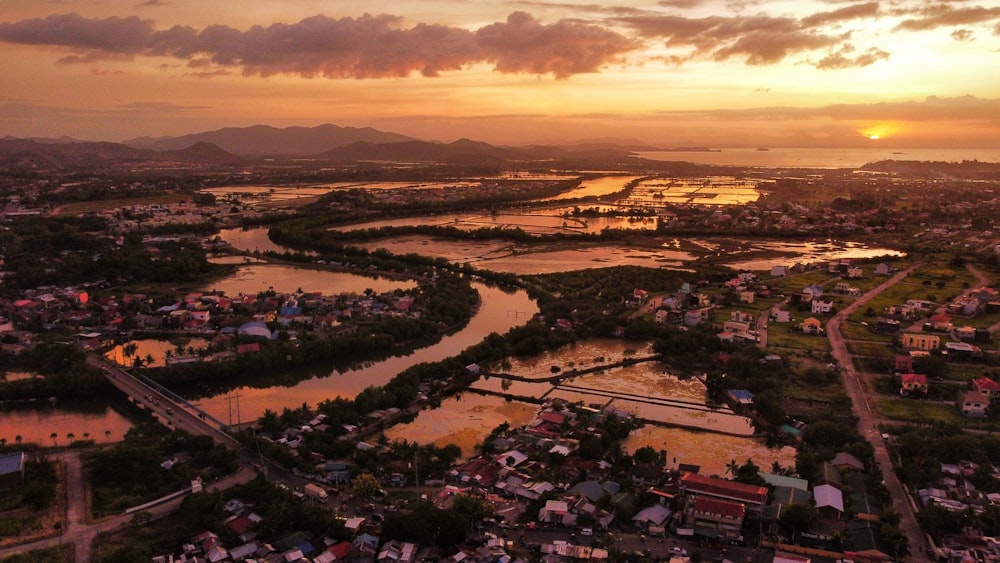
[869,419]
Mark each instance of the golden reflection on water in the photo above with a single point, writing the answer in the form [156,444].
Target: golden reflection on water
[463,420]
[711,451]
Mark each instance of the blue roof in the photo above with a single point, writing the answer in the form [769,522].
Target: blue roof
[740,394]
[11,463]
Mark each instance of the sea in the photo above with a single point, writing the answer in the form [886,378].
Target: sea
[821,157]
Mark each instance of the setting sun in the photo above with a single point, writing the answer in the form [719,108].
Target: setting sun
[873,137]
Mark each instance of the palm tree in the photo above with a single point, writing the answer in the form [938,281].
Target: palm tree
[54,436]
[70,437]
[18,439]
[107,435]
[86,435]
[150,359]
[3,442]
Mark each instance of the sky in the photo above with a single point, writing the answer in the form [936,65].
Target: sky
[721,73]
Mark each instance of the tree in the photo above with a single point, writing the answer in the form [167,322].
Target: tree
[54,436]
[796,518]
[365,485]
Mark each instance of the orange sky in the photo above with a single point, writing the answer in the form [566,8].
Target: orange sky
[668,72]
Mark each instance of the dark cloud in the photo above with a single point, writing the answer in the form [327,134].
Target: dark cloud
[112,35]
[962,35]
[943,15]
[522,44]
[681,4]
[152,4]
[857,11]
[756,39]
[843,58]
[364,47]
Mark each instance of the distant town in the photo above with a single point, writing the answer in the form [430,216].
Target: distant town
[396,351]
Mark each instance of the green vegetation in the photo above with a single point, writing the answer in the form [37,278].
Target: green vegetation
[130,473]
[57,554]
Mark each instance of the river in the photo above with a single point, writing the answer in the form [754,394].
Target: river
[500,311]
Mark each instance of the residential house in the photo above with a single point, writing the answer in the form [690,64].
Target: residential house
[883,269]
[854,273]
[11,470]
[987,387]
[739,329]
[821,306]
[753,496]
[811,325]
[716,517]
[925,342]
[695,317]
[940,323]
[746,297]
[844,461]
[829,500]
[780,315]
[779,271]
[973,404]
[912,383]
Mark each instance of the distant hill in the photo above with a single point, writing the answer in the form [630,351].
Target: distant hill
[467,152]
[264,140]
[28,154]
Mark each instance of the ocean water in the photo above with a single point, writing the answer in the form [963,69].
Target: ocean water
[822,157]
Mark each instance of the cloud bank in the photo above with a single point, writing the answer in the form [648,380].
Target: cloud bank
[364,47]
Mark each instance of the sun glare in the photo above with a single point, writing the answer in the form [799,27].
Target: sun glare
[873,137]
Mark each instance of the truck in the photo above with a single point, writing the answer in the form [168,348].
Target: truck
[314,491]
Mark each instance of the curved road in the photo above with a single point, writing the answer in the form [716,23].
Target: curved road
[868,419]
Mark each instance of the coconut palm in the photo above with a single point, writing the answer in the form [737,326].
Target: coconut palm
[54,436]
[107,435]
[18,439]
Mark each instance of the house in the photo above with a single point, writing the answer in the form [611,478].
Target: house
[987,387]
[753,496]
[844,461]
[829,500]
[717,517]
[973,404]
[811,326]
[779,271]
[904,364]
[964,333]
[780,316]
[925,342]
[940,323]
[746,297]
[854,273]
[812,292]
[11,470]
[739,329]
[910,383]
[821,306]
[654,515]
[695,317]
[883,269]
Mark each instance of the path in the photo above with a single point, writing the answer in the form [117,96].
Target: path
[868,420]
[81,532]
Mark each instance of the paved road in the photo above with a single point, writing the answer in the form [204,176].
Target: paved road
[868,419]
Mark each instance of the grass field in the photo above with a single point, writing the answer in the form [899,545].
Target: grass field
[908,410]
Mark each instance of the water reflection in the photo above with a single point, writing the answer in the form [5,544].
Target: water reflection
[37,425]
[500,311]
[160,351]
[711,451]
[463,420]
[251,280]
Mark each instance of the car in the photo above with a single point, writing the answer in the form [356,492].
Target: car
[170,411]
[586,531]
[677,550]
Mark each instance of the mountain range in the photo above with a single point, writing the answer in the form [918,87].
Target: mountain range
[264,140]
[341,145]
